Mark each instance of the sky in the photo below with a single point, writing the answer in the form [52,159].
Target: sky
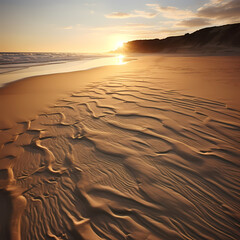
[103,25]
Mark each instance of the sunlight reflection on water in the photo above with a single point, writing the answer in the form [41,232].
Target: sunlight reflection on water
[120,60]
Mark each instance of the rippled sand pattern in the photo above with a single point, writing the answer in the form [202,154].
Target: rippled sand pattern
[125,159]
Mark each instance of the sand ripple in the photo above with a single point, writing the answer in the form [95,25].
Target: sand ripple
[127,160]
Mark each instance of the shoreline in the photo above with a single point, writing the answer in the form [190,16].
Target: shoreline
[41,69]
[52,86]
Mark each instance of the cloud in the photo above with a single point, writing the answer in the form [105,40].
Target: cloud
[194,22]
[68,28]
[214,9]
[214,12]
[176,21]
[171,12]
[133,14]
[144,14]
[221,9]
[118,15]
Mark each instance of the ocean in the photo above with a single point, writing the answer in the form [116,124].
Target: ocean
[18,65]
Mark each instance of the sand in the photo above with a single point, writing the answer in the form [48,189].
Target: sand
[147,150]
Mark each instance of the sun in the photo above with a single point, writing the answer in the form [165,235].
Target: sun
[119,44]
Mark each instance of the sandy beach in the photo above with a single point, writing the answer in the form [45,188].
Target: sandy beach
[145,150]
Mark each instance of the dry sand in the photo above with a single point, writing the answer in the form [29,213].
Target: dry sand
[145,151]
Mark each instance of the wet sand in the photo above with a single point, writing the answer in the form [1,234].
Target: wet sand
[146,150]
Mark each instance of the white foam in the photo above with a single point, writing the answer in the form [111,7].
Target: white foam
[16,67]
[26,58]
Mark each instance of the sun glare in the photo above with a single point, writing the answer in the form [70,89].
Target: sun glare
[119,44]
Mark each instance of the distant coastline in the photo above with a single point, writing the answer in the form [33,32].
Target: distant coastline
[224,40]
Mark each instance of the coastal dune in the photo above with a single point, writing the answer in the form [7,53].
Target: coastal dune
[146,150]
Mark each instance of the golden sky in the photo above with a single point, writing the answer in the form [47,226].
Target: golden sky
[102,25]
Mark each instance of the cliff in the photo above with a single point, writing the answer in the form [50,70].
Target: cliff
[221,38]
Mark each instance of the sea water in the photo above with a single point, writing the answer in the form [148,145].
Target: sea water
[17,65]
